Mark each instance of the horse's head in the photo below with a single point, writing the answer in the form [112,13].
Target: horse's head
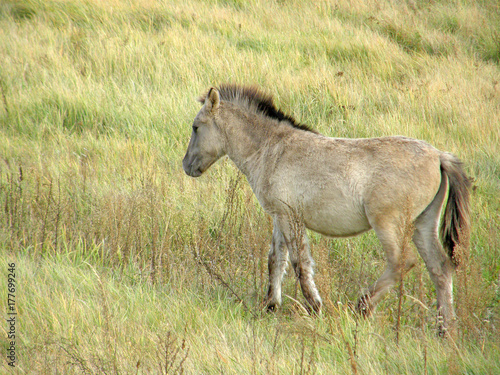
[207,142]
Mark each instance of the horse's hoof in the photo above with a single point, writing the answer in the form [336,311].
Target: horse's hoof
[314,308]
[442,332]
[271,308]
[363,307]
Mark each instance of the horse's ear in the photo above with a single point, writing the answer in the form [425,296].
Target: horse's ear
[212,100]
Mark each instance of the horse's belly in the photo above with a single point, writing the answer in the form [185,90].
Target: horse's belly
[339,221]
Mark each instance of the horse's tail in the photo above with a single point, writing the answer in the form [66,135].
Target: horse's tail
[455,227]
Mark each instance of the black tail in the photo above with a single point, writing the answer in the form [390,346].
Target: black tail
[455,227]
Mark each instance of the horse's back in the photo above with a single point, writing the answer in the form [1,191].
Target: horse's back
[343,185]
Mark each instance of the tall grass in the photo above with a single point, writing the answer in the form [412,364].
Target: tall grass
[128,266]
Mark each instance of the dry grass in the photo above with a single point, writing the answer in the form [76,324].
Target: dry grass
[113,242]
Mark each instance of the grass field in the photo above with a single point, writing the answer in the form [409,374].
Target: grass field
[125,265]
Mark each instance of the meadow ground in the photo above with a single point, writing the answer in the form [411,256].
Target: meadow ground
[123,264]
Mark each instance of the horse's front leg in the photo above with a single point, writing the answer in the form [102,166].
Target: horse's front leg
[278,258]
[303,265]
[294,232]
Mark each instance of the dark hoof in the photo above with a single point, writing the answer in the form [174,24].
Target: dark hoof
[364,307]
[272,308]
[314,309]
[442,329]
[442,332]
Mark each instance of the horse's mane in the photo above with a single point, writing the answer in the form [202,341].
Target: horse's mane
[255,99]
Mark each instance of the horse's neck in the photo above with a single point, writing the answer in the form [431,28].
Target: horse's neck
[248,142]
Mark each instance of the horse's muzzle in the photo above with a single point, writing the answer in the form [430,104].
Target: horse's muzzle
[193,172]
[190,167]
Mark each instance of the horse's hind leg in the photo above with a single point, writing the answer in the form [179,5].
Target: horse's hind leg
[437,262]
[390,236]
[440,270]
[278,258]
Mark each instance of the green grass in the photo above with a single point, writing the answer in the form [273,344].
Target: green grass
[100,321]
[126,265]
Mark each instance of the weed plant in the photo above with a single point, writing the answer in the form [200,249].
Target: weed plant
[126,265]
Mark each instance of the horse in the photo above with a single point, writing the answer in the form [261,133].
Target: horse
[338,187]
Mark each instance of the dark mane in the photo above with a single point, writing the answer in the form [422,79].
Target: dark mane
[253,98]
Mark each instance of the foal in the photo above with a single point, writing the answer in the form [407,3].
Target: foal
[337,187]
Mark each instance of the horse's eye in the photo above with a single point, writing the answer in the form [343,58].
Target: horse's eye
[195,129]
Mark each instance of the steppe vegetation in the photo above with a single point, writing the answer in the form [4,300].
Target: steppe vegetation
[126,265]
